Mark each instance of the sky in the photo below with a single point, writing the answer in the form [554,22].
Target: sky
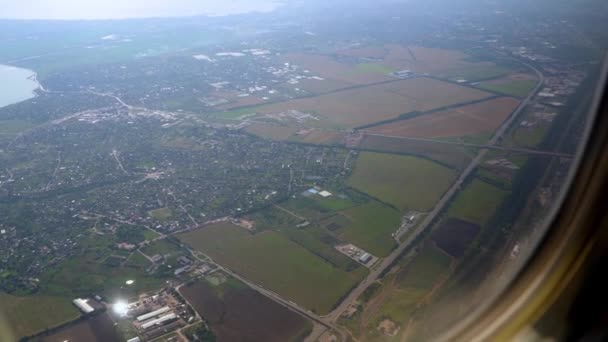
[121,9]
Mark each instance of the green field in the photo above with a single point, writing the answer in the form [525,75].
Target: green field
[477,202]
[408,183]
[318,241]
[375,68]
[530,136]
[400,294]
[10,128]
[162,247]
[425,269]
[235,113]
[150,235]
[161,214]
[90,272]
[477,72]
[277,263]
[24,316]
[519,88]
[370,226]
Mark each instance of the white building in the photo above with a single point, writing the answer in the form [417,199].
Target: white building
[83,306]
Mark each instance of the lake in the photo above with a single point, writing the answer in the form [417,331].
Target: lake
[16,85]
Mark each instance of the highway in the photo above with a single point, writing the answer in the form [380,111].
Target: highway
[484,146]
[426,223]
[329,321]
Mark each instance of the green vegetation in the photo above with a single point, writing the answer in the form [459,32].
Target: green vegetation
[161,214]
[279,264]
[399,305]
[25,316]
[374,68]
[319,242]
[137,260]
[519,88]
[530,136]
[370,227]
[477,202]
[405,182]
[130,234]
[10,128]
[162,247]
[477,72]
[236,113]
[150,235]
[425,269]
[95,270]
[199,332]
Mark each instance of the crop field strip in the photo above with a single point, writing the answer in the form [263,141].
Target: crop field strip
[265,256]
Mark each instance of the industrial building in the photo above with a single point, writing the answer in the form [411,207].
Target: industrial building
[153,314]
[83,305]
[159,321]
[365,258]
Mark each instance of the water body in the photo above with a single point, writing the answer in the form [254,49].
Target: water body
[16,84]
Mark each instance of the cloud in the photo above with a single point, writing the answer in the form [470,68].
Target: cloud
[120,9]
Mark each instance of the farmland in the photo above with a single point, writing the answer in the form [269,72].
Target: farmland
[515,85]
[450,155]
[95,329]
[394,302]
[334,70]
[368,226]
[477,202]
[454,236]
[351,108]
[271,131]
[265,257]
[25,316]
[408,183]
[473,119]
[362,106]
[97,269]
[236,313]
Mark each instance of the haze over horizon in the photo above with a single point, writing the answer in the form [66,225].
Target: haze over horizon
[98,9]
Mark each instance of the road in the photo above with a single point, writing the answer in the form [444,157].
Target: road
[272,295]
[328,321]
[428,220]
[488,146]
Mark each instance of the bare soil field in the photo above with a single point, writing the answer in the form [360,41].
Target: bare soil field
[483,117]
[241,314]
[440,62]
[455,235]
[97,329]
[451,155]
[362,106]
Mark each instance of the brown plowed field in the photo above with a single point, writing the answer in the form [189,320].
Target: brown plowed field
[473,119]
[241,314]
[96,329]
[361,106]
[455,235]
